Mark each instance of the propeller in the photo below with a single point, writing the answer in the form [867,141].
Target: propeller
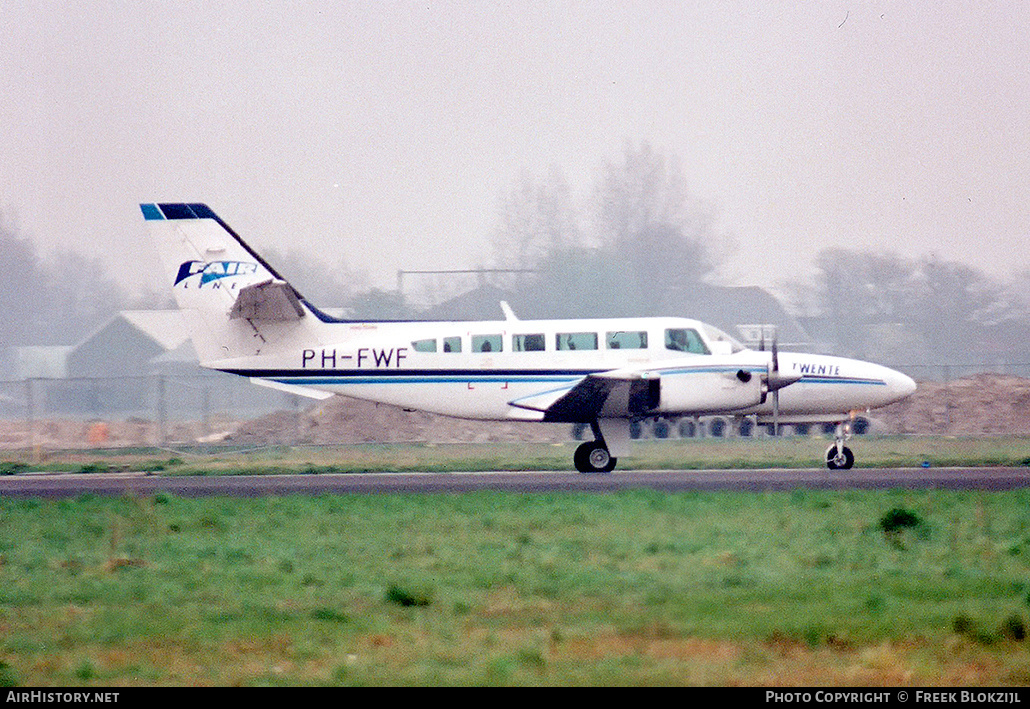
[776,392]
[775,380]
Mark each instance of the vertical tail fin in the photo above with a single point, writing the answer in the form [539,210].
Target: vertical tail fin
[235,304]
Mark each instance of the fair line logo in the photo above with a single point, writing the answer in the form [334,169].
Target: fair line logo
[211,271]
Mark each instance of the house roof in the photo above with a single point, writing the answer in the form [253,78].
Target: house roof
[184,353]
[165,327]
[731,309]
[480,303]
[35,361]
[735,308]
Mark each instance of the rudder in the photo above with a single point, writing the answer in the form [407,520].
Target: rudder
[209,266]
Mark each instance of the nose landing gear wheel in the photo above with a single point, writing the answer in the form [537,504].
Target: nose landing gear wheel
[593,457]
[842,461]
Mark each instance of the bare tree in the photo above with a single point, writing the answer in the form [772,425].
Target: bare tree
[80,297]
[646,220]
[322,284]
[21,304]
[1019,290]
[376,304]
[855,289]
[646,242]
[925,307]
[535,219]
[956,306]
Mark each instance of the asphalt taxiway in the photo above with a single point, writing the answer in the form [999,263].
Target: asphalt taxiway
[142,484]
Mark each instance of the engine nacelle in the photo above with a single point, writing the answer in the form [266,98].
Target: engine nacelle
[709,390]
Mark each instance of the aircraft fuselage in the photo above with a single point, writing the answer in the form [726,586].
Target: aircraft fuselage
[487,370]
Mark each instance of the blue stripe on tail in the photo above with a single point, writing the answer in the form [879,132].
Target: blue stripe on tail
[151,212]
[178,210]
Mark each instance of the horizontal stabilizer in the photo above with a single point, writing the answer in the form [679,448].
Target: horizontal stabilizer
[543,401]
[295,389]
[268,300]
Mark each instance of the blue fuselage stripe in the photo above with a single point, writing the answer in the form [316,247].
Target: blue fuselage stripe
[421,379]
[325,377]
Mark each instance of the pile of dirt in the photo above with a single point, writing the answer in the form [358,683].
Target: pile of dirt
[345,420]
[53,434]
[983,404]
[976,405]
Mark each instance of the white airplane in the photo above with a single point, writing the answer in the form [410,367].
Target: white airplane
[245,319]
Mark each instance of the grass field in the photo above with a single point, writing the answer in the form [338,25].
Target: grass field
[634,588]
[787,452]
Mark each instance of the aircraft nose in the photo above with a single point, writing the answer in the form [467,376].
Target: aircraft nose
[900,385]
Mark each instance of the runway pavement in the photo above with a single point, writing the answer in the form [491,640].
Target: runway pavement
[71,485]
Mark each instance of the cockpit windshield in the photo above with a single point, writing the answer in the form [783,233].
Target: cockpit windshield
[714,334]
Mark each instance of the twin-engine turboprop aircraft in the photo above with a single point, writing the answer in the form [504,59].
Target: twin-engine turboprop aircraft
[244,318]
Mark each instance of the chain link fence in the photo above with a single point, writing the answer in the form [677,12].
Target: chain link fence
[949,372]
[135,410]
[205,407]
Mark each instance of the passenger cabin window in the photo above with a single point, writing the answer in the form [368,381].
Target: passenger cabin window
[452,344]
[685,340]
[627,340]
[527,343]
[576,341]
[424,345]
[487,343]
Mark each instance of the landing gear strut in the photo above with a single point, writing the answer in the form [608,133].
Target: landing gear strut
[839,456]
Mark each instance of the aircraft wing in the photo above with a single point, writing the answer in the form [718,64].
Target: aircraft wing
[696,385]
[613,394]
[268,300]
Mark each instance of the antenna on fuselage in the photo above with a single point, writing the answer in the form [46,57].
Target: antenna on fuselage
[509,314]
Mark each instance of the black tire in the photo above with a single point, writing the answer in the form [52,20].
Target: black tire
[593,457]
[833,464]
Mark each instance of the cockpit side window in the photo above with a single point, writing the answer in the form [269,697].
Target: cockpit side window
[424,345]
[452,344]
[685,340]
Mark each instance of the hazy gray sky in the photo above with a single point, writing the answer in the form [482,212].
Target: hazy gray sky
[385,132]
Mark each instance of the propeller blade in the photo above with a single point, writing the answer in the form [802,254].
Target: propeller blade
[774,380]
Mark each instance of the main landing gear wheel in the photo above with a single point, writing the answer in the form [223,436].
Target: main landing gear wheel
[593,457]
[839,461]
